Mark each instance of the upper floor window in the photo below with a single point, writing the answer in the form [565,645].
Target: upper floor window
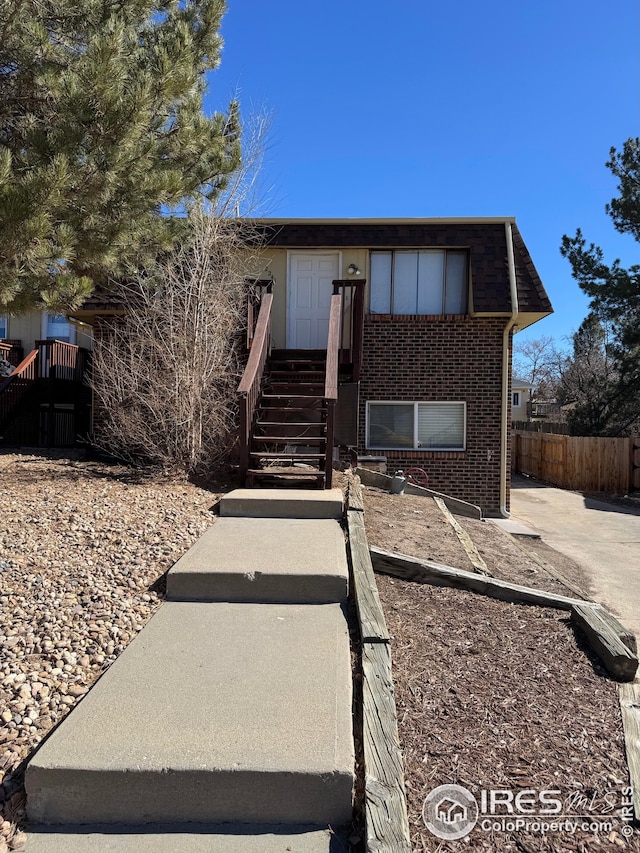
[56,327]
[428,281]
[515,398]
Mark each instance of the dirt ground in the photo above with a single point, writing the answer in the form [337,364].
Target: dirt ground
[498,696]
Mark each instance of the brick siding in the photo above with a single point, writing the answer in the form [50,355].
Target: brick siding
[435,358]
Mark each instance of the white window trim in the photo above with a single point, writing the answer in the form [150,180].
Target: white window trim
[515,399]
[415,404]
[444,250]
[44,328]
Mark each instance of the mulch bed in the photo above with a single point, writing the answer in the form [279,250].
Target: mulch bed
[493,695]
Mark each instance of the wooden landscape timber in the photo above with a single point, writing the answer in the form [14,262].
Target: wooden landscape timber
[467,543]
[386,821]
[373,628]
[437,574]
[630,709]
[613,644]
[383,481]
[385,801]
[551,570]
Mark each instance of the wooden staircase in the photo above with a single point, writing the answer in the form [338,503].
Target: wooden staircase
[289,437]
[287,398]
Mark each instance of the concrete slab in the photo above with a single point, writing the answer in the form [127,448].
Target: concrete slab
[601,537]
[221,839]
[515,527]
[214,713]
[282,503]
[264,560]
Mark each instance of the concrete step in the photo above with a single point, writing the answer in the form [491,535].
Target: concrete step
[264,559]
[214,713]
[220,839]
[282,503]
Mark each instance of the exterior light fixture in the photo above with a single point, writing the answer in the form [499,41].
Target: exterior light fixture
[352,269]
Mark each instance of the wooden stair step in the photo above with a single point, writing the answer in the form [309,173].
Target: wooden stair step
[287,396]
[291,439]
[298,457]
[298,424]
[278,472]
[288,409]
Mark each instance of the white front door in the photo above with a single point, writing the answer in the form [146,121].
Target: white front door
[311,276]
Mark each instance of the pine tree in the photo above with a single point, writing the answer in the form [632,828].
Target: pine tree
[103,140]
[615,304]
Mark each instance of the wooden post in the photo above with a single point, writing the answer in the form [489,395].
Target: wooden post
[357,332]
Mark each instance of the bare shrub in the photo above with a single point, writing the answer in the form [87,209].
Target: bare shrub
[166,370]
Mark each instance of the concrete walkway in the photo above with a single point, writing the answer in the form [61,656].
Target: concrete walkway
[601,537]
[227,722]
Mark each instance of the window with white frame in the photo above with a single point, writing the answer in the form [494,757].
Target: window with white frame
[428,281]
[416,426]
[56,327]
[3,327]
[515,398]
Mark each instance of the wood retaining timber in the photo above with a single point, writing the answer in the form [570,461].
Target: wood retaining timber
[387,824]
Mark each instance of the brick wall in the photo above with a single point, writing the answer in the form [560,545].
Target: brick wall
[441,358]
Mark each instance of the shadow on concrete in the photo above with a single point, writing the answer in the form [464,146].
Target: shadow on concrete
[591,502]
[518,481]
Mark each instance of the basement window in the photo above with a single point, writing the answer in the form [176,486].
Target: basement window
[416,426]
[430,281]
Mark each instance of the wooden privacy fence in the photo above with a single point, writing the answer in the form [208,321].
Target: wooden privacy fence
[574,462]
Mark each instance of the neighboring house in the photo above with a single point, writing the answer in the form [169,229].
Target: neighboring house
[520,398]
[44,401]
[25,329]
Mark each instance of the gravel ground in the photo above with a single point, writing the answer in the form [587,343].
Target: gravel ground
[83,548]
[488,694]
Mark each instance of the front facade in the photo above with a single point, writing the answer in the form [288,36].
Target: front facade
[428,385]
[442,299]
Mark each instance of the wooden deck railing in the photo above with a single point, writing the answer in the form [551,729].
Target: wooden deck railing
[351,322]
[60,360]
[331,380]
[49,360]
[14,387]
[251,382]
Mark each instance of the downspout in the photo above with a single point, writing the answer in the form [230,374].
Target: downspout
[504,512]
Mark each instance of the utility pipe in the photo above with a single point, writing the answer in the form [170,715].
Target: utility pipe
[506,402]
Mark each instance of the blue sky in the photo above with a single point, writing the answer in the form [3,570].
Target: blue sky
[418,108]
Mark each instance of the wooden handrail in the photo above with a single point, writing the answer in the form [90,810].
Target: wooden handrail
[333,348]
[14,387]
[22,371]
[334,340]
[251,382]
[256,289]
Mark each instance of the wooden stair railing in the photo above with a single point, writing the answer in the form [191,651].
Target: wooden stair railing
[256,289]
[14,387]
[331,381]
[49,360]
[60,360]
[251,382]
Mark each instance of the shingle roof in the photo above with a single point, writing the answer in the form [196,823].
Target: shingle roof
[485,241]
